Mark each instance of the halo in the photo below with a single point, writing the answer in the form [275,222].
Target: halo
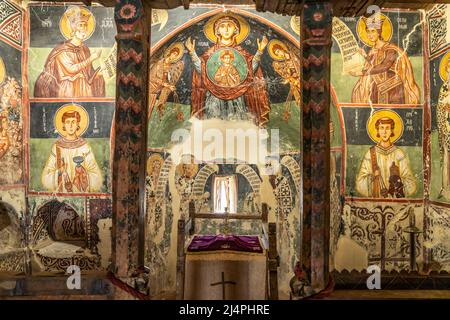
[272,53]
[64,25]
[178,45]
[84,118]
[442,64]
[154,157]
[398,123]
[209,27]
[386,30]
[295,24]
[190,161]
[2,70]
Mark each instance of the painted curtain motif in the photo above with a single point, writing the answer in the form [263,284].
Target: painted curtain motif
[12,231]
[67,230]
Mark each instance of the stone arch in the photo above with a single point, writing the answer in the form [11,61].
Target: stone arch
[202,177]
[163,177]
[294,169]
[250,174]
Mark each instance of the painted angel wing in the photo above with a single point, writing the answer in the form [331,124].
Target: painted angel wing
[176,71]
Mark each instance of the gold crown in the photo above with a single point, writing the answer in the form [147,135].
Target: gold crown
[375,21]
[75,15]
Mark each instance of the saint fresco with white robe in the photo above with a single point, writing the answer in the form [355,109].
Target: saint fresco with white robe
[71,166]
[385,170]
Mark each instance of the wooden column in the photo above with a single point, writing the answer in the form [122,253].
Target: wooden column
[130,138]
[316,48]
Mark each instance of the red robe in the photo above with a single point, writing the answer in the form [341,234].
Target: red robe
[68,75]
[253,88]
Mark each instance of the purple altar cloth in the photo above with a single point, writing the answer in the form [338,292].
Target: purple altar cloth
[223,242]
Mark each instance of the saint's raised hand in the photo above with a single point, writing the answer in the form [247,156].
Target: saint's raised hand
[190,45]
[262,44]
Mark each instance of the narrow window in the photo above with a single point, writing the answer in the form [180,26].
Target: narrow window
[225,194]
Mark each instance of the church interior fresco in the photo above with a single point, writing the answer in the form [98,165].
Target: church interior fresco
[394,120]
[376,214]
[175,178]
[56,128]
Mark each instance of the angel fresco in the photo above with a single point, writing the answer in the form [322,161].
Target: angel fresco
[71,166]
[387,76]
[385,171]
[211,99]
[287,64]
[68,71]
[164,75]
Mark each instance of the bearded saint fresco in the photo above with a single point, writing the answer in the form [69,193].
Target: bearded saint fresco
[387,76]
[68,71]
[227,81]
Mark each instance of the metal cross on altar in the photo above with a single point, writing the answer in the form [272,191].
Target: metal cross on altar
[223,283]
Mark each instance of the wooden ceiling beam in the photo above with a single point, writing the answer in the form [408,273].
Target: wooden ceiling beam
[341,8]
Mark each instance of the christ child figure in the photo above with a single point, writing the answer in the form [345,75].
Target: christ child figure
[227,74]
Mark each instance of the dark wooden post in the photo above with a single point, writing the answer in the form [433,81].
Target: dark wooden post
[181,259]
[192,217]
[316,46]
[273,262]
[130,138]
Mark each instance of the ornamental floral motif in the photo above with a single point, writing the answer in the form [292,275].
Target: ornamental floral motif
[128,11]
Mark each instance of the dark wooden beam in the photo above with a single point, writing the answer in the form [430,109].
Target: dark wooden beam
[316,52]
[130,138]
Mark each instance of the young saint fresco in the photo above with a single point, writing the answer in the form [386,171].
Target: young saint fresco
[385,170]
[71,166]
